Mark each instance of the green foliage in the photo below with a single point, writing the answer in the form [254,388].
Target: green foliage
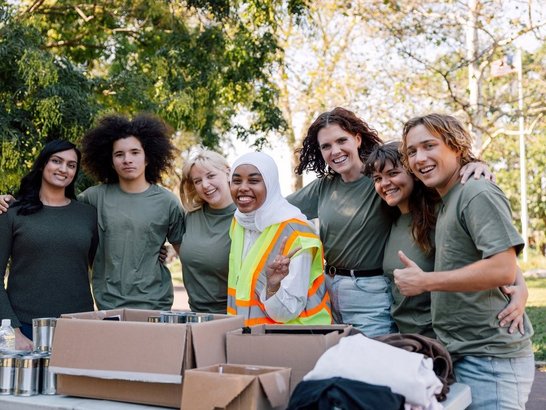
[42,97]
[537,315]
[195,63]
[536,310]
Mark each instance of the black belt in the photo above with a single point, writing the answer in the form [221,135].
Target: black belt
[333,271]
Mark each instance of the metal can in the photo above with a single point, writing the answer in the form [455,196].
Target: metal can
[199,318]
[169,317]
[48,379]
[27,375]
[154,319]
[43,330]
[7,373]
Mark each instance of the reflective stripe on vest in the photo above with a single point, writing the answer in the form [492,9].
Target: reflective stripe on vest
[247,278]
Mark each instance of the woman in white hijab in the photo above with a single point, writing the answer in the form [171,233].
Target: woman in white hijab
[276,258]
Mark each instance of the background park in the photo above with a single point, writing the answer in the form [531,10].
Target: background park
[254,74]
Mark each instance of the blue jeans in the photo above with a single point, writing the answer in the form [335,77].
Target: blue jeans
[497,383]
[363,302]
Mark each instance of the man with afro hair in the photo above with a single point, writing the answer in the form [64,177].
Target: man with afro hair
[135,215]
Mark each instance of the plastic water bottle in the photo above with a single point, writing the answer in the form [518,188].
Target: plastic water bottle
[7,335]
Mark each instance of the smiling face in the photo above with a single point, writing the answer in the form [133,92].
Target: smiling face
[339,149]
[211,184]
[248,189]
[60,169]
[432,160]
[394,185]
[129,160]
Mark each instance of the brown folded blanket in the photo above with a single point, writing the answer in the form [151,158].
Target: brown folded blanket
[412,342]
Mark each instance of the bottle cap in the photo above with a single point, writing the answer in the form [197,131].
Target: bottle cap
[6,322]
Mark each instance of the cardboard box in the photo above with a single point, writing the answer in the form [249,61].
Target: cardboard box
[131,359]
[294,346]
[236,387]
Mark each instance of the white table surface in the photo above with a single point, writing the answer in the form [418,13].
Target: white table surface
[458,398]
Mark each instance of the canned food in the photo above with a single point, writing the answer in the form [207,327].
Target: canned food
[42,333]
[7,373]
[199,318]
[48,379]
[27,375]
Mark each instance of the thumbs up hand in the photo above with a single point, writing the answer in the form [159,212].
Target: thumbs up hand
[410,279]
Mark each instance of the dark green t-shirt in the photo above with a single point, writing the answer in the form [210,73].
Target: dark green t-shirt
[132,229]
[474,223]
[411,314]
[204,253]
[354,221]
[50,253]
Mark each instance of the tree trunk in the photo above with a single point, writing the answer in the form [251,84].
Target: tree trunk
[472,50]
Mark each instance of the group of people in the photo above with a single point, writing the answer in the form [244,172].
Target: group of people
[407,240]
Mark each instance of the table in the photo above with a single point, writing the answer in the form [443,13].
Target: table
[458,398]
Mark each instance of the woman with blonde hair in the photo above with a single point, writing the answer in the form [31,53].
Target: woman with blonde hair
[204,251]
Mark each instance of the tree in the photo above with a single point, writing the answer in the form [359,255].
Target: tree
[323,66]
[196,63]
[42,97]
[450,48]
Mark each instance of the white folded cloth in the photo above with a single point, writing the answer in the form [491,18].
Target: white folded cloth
[360,358]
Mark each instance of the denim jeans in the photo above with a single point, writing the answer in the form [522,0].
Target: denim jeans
[497,383]
[363,302]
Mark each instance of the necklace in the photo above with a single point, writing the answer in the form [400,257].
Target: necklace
[65,202]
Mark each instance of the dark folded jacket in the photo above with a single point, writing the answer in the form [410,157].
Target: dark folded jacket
[343,394]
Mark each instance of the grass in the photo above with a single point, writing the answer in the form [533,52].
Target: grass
[536,310]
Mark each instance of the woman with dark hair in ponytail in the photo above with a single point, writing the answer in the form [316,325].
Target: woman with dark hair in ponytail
[49,240]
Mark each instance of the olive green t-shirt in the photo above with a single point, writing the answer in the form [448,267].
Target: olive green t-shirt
[204,253]
[474,223]
[354,221]
[411,314]
[132,229]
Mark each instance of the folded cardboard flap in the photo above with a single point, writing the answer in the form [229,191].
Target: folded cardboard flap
[295,346]
[236,387]
[126,315]
[212,334]
[90,347]
[276,387]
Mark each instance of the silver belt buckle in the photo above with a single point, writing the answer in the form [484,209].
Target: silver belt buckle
[331,271]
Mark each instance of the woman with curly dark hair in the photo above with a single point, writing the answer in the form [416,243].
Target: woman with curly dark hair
[135,215]
[354,221]
[50,240]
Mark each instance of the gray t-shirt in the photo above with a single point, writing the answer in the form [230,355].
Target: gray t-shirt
[474,223]
[132,229]
[411,314]
[204,253]
[354,221]
[50,253]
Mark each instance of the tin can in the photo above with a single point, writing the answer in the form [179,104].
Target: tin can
[169,317]
[48,379]
[154,319]
[7,373]
[199,318]
[27,375]
[43,330]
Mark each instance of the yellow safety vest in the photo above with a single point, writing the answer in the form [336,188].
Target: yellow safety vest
[247,278]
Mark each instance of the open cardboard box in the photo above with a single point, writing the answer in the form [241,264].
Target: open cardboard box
[131,359]
[236,387]
[295,346]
